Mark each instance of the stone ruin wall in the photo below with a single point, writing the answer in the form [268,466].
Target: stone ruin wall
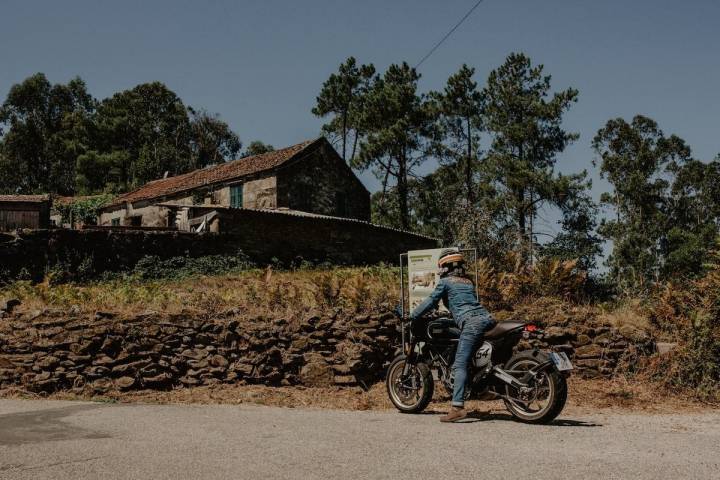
[52,350]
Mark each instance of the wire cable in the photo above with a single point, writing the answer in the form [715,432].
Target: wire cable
[447,35]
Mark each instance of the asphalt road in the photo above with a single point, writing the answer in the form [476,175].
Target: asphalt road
[74,440]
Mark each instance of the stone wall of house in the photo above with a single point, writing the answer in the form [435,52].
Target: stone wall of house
[95,353]
[322,183]
[263,236]
[152,215]
[287,235]
[257,193]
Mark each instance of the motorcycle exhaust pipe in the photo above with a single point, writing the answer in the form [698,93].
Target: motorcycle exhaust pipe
[507,378]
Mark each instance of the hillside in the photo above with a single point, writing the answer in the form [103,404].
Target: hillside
[269,335]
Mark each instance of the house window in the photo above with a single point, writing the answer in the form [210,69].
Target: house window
[236,196]
[136,221]
[115,222]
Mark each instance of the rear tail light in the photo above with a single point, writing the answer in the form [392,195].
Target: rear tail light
[531,330]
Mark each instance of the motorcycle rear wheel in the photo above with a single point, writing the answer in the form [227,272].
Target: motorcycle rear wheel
[549,385]
[412,393]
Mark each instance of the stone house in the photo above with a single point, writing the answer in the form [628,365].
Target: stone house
[308,177]
[24,211]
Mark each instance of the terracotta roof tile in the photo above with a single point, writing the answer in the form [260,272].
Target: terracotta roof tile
[212,175]
[24,198]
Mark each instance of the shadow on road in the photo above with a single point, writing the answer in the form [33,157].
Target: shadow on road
[476,416]
[44,425]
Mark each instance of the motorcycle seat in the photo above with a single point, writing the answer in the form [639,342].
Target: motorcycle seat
[502,328]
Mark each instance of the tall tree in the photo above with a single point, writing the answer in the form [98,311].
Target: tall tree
[146,128]
[578,239]
[524,121]
[46,129]
[459,110]
[401,132]
[639,161]
[343,97]
[211,139]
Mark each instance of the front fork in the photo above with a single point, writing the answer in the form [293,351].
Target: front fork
[411,356]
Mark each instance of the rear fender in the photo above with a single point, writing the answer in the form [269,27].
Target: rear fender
[545,364]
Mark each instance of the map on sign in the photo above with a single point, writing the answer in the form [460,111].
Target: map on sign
[423,275]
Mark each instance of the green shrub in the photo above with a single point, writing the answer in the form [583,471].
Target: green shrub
[152,267]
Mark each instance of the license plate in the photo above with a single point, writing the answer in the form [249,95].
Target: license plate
[561,361]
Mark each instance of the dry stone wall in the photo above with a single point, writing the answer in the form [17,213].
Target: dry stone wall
[53,350]
[47,351]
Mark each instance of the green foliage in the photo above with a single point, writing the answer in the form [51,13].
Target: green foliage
[256,147]
[665,203]
[154,268]
[82,210]
[211,139]
[401,128]
[690,312]
[698,367]
[46,128]
[577,240]
[525,125]
[459,110]
[59,139]
[344,97]
[151,124]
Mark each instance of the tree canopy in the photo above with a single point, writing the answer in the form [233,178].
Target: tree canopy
[665,203]
[473,163]
[59,139]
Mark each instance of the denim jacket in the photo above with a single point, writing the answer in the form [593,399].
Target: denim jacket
[458,295]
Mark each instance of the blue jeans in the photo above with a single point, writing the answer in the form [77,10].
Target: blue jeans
[471,336]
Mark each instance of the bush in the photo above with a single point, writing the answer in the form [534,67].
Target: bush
[691,313]
[515,281]
[154,268]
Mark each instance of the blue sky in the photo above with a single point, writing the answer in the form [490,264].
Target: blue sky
[259,64]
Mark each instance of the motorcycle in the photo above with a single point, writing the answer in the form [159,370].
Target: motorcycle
[531,383]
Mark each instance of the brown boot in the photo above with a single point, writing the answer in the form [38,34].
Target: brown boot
[455,414]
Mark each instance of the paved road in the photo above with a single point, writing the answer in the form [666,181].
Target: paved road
[74,440]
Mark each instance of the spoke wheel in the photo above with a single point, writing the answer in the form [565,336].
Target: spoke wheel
[409,391]
[545,396]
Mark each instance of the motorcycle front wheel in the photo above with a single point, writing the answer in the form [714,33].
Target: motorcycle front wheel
[545,397]
[411,391]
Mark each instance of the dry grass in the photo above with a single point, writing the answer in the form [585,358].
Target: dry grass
[630,312]
[586,396]
[282,294]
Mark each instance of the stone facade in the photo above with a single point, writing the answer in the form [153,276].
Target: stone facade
[313,180]
[315,185]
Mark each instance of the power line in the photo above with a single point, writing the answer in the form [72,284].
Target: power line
[432,50]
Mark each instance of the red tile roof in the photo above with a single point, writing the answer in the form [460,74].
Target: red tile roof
[212,175]
[24,198]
